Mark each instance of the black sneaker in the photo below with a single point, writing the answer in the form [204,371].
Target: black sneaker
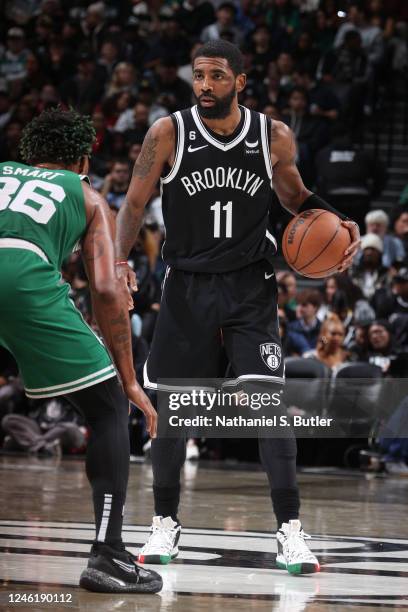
[115,571]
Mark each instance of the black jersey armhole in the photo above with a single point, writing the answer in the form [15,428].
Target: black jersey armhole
[167,167]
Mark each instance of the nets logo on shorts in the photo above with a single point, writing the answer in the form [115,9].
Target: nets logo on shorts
[271,353]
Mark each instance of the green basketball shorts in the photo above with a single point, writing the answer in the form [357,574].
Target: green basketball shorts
[56,351]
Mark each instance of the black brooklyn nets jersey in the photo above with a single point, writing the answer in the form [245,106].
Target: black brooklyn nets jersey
[217,195]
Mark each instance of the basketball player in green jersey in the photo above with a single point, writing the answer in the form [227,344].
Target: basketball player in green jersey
[46,208]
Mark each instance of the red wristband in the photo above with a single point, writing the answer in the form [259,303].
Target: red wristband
[120,263]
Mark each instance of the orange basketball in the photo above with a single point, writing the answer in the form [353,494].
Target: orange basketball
[314,243]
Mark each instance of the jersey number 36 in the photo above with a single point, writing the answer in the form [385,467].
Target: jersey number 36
[24,198]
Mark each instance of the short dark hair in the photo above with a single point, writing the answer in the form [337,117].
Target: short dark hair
[57,135]
[309,296]
[224,49]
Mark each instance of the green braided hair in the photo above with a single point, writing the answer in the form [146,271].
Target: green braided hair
[58,136]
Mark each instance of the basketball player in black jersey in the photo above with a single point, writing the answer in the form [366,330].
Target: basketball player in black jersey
[215,162]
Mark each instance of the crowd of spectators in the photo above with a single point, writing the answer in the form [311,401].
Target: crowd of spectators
[317,65]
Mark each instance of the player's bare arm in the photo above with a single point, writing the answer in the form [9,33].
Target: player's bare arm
[157,150]
[110,298]
[290,189]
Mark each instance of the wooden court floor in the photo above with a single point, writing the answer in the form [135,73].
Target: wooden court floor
[359,527]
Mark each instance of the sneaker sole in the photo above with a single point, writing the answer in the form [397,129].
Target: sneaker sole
[99,582]
[299,568]
[158,559]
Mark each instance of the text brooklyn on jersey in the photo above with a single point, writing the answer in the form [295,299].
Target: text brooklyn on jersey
[217,195]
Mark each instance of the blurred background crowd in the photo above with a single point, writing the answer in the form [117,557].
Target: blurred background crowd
[335,71]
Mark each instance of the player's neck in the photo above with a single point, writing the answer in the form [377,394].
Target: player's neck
[52,166]
[227,125]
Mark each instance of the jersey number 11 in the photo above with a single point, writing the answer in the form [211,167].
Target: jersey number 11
[217,219]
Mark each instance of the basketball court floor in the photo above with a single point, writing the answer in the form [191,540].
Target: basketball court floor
[359,526]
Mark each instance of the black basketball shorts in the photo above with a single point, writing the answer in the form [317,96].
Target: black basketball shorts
[204,315]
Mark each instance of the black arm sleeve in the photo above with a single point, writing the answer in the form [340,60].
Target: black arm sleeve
[314,201]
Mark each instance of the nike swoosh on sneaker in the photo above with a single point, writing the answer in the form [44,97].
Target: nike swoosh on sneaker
[191,149]
[124,566]
[268,276]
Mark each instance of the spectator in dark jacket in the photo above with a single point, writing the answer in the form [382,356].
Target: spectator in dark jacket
[304,332]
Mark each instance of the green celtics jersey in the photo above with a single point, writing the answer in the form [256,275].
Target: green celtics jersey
[44,207]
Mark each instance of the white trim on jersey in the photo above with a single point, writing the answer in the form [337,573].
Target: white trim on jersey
[260,377]
[171,388]
[224,146]
[17,243]
[272,239]
[265,146]
[179,151]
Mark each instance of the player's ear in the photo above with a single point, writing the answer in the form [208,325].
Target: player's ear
[240,82]
[84,165]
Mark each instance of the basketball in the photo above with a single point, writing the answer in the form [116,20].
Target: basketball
[314,243]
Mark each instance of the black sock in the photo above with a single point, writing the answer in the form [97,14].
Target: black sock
[166,501]
[109,518]
[286,504]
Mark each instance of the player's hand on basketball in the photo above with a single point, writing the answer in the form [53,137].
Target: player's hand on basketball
[137,396]
[125,273]
[354,247]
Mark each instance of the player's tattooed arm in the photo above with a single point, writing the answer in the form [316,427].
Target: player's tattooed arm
[287,181]
[157,149]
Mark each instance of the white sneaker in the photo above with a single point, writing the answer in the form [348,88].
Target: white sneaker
[161,547]
[192,452]
[293,553]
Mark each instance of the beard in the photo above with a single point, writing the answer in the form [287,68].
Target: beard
[221,107]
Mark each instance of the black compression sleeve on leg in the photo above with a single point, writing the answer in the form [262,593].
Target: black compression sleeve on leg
[314,201]
[105,408]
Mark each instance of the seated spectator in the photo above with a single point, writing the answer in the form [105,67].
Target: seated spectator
[334,284]
[285,14]
[286,66]
[382,350]
[349,177]
[283,299]
[172,91]
[329,349]
[349,70]
[225,17]
[10,142]
[310,131]
[376,222]
[369,274]
[116,184]
[171,42]
[303,332]
[13,62]
[109,56]
[305,54]
[323,101]
[123,79]
[134,122]
[399,224]
[288,279]
[371,34]
[387,302]
[6,109]
[194,16]
[323,32]
[101,149]
[94,25]
[265,48]
[83,90]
